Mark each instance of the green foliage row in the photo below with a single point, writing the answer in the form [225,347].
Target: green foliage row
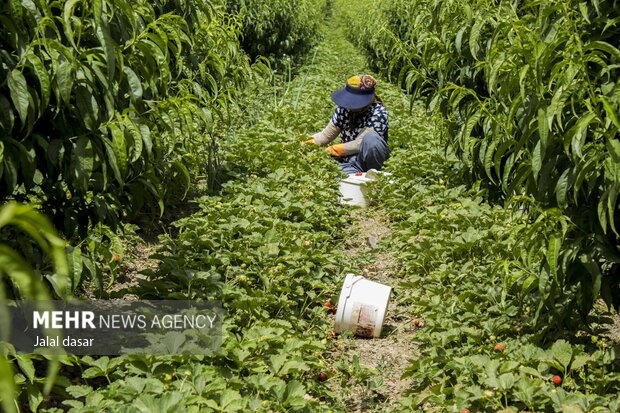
[279,29]
[467,276]
[467,279]
[106,105]
[109,109]
[530,98]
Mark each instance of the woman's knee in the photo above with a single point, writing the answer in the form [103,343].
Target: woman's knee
[373,142]
[373,152]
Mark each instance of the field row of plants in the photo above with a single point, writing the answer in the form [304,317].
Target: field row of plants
[504,291]
[110,111]
[529,97]
[281,31]
[463,274]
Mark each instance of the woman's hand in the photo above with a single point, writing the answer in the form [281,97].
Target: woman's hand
[336,150]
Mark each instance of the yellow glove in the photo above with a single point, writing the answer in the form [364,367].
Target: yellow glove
[309,142]
[336,150]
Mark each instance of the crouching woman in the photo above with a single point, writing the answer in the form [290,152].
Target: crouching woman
[361,120]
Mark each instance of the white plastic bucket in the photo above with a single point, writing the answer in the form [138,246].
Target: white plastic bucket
[354,189]
[362,306]
[351,189]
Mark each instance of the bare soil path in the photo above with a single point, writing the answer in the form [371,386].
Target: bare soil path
[385,357]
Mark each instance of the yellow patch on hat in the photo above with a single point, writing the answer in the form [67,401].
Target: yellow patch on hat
[354,81]
[362,81]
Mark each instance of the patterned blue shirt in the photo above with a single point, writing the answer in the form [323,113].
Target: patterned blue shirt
[375,117]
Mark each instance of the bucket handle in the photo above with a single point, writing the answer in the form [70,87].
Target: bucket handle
[348,287]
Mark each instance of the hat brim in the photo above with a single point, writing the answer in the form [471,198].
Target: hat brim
[343,98]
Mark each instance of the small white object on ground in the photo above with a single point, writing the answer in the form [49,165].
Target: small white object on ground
[372,242]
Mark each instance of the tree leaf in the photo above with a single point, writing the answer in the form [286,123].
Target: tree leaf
[604,46]
[579,133]
[43,77]
[112,161]
[611,112]
[601,211]
[543,131]
[561,188]
[553,251]
[76,265]
[7,385]
[103,35]
[537,159]
[64,80]
[120,149]
[83,158]
[19,94]
[136,137]
[145,132]
[185,174]
[135,86]
[67,15]
[611,206]
[88,107]
[474,35]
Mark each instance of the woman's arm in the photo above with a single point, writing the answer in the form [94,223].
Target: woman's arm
[349,148]
[353,147]
[327,135]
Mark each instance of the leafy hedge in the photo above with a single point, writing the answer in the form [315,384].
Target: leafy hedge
[105,104]
[530,100]
[279,29]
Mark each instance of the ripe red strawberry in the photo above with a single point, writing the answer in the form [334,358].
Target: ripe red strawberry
[557,380]
[500,347]
[332,309]
[115,257]
[328,304]
[322,377]
[465,411]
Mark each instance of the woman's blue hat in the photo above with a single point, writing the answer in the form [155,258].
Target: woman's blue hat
[357,93]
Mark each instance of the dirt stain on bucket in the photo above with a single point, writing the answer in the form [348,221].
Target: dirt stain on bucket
[366,316]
